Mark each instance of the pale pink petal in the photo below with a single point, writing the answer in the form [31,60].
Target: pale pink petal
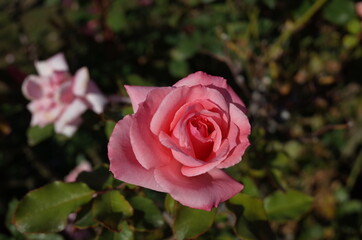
[146,147]
[84,166]
[69,128]
[72,112]
[163,117]
[95,98]
[202,192]
[123,163]
[235,155]
[238,117]
[137,94]
[64,93]
[55,63]
[32,87]
[204,79]
[81,80]
[179,154]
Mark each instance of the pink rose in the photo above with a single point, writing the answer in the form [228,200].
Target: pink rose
[179,139]
[59,98]
[84,166]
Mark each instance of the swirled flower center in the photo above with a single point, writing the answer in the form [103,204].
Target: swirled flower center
[201,129]
[203,125]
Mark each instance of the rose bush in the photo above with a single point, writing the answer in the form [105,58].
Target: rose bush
[59,98]
[180,137]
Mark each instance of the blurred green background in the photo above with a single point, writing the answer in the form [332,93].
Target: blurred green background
[296,64]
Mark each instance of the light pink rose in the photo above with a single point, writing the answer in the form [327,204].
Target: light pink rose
[84,166]
[59,98]
[179,139]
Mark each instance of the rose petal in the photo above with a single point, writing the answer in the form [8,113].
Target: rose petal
[184,157]
[95,98]
[123,163]
[84,166]
[137,94]
[146,147]
[235,154]
[204,79]
[202,192]
[214,160]
[163,117]
[70,114]
[31,87]
[81,80]
[69,128]
[55,63]
[238,117]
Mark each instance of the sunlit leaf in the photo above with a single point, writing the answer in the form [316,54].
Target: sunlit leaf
[46,209]
[190,223]
[147,211]
[110,209]
[289,205]
[251,217]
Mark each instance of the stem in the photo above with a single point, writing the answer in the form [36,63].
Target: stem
[276,48]
[356,170]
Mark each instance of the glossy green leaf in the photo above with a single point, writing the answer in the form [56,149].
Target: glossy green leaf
[251,221]
[289,205]
[37,134]
[46,209]
[150,213]
[84,218]
[125,234]
[191,223]
[110,209]
[339,11]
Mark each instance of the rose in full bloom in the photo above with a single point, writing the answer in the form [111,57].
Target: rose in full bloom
[60,98]
[180,137]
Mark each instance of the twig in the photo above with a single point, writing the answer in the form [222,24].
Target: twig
[275,49]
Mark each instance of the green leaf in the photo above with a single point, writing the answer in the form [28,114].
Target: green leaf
[354,26]
[339,12]
[116,18]
[46,209]
[251,223]
[125,234]
[109,128]
[151,215]
[270,3]
[178,68]
[191,223]
[97,179]
[289,205]
[249,187]
[37,134]
[85,218]
[171,205]
[110,209]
